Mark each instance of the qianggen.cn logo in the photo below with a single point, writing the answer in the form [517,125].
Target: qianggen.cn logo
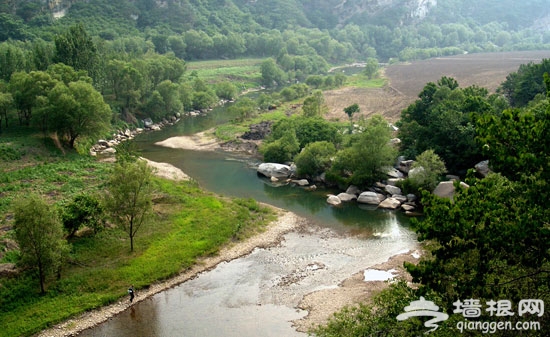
[472,309]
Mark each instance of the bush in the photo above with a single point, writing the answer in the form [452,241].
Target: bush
[281,150]
[315,158]
[85,210]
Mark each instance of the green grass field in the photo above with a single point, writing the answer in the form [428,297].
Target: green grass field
[242,72]
[188,223]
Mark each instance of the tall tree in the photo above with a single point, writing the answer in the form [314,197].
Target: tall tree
[369,153]
[271,73]
[6,102]
[29,92]
[78,110]
[350,111]
[314,105]
[129,196]
[39,234]
[371,67]
[75,48]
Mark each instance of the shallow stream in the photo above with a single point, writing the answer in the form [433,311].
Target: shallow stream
[258,294]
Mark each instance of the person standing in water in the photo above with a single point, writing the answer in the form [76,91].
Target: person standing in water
[131,293]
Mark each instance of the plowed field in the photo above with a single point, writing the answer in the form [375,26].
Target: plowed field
[406,80]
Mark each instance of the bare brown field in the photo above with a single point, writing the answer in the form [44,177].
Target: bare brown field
[406,80]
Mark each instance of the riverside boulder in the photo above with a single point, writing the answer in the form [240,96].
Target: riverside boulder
[370,198]
[275,170]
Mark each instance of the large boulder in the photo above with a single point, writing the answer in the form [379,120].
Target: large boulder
[370,198]
[275,170]
[147,123]
[352,189]
[347,197]
[390,203]
[405,165]
[393,190]
[394,173]
[333,200]
[393,181]
[482,168]
[446,189]
[300,182]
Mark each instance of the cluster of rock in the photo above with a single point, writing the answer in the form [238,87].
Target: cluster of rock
[384,195]
[107,147]
[258,131]
[381,195]
[387,196]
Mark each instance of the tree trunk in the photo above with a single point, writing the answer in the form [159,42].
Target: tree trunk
[41,277]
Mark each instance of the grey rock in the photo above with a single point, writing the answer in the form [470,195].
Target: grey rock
[370,198]
[393,181]
[352,189]
[345,197]
[301,182]
[482,168]
[333,200]
[446,189]
[393,190]
[274,170]
[407,208]
[390,203]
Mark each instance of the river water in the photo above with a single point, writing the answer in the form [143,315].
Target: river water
[258,294]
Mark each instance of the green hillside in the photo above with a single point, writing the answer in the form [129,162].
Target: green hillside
[338,31]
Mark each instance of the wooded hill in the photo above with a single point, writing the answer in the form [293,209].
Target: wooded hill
[337,30]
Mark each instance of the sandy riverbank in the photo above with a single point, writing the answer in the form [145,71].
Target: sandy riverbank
[319,304]
[285,223]
[202,141]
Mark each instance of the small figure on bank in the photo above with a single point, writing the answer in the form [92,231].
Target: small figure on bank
[131,293]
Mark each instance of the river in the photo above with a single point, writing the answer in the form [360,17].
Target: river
[259,294]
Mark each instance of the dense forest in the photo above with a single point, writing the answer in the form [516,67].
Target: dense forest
[72,72]
[338,31]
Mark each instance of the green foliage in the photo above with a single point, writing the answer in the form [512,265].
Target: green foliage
[371,67]
[306,129]
[40,237]
[522,86]
[378,318]
[77,110]
[429,169]
[272,75]
[76,49]
[491,242]
[350,111]
[84,210]
[244,108]
[516,142]
[442,119]
[314,158]
[362,162]
[282,149]
[226,90]
[9,153]
[130,196]
[314,105]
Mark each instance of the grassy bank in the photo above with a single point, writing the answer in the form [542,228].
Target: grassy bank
[188,223]
[243,72]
